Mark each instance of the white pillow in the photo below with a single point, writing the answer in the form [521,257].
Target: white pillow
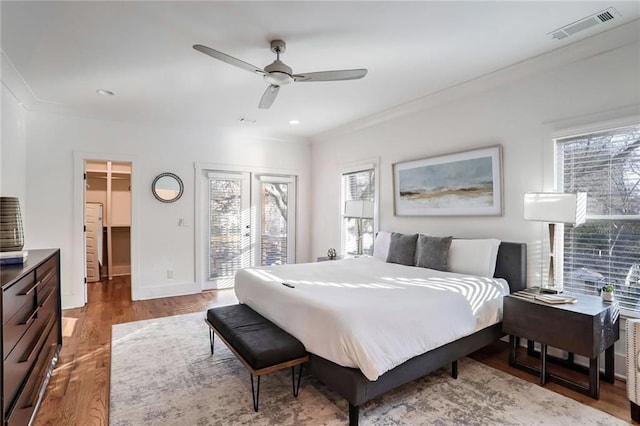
[381,245]
[474,257]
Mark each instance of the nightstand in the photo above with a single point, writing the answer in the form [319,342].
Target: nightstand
[588,328]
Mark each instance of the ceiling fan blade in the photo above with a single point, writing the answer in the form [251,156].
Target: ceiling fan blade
[269,96]
[228,59]
[331,75]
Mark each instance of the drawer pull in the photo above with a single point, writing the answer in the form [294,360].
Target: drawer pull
[46,299]
[43,335]
[49,274]
[33,287]
[31,317]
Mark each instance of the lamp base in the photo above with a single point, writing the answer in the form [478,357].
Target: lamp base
[552,290]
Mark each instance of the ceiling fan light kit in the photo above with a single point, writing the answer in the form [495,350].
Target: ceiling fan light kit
[278,73]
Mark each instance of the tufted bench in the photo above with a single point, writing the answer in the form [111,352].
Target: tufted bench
[261,345]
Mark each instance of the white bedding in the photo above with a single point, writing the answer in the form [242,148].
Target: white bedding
[369,314]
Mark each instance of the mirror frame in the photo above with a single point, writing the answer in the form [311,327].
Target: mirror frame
[171,175]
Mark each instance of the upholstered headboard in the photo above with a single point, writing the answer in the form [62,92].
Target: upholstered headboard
[511,265]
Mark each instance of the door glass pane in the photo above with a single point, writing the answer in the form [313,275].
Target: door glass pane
[275,223]
[225,230]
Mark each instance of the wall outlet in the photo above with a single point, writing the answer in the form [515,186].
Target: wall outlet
[169,273]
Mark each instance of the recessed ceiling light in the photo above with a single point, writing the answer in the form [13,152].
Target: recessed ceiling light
[294,122]
[105,92]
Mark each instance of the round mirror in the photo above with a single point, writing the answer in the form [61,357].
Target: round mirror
[167,187]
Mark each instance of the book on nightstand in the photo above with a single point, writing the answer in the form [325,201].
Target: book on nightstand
[13,257]
[553,299]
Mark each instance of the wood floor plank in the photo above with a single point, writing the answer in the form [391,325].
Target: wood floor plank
[78,393]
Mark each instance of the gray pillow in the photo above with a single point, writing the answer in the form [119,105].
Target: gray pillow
[402,249]
[433,252]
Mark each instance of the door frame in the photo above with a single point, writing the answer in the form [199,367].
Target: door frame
[78,283]
[201,226]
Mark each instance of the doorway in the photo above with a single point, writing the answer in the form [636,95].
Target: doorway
[246,219]
[107,218]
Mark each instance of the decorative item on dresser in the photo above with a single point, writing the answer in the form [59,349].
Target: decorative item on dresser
[31,333]
[11,232]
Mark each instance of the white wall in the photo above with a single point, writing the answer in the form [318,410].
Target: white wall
[52,141]
[520,115]
[517,109]
[13,150]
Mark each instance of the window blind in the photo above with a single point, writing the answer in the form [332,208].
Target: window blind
[605,249]
[225,227]
[275,225]
[358,185]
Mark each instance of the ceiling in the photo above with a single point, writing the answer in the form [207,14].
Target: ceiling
[62,52]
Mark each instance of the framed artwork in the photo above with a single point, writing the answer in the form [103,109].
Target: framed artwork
[462,184]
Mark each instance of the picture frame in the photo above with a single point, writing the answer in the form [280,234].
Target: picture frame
[466,183]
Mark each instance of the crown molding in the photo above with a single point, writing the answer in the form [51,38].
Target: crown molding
[609,40]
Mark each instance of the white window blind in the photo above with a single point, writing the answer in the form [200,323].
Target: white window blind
[358,223]
[275,225]
[605,249]
[225,228]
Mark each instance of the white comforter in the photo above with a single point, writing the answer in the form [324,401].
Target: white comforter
[370,314]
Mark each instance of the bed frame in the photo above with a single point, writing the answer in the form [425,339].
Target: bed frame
[353,386]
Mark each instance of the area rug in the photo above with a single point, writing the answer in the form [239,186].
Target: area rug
[162,373]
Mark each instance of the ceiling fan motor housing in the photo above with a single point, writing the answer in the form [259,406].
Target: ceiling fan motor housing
[278,73]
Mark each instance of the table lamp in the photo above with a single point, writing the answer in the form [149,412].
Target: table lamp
[555,207]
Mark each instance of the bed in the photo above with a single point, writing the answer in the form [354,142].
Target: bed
[360,352]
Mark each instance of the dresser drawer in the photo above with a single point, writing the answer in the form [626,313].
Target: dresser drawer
[44,271]
[17,326]
[24,355]
[48,284]
[25,404]
[14,297]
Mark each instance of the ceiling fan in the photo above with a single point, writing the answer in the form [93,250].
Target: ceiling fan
[278,73]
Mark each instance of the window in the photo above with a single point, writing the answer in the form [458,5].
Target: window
[358,189]
[605,249]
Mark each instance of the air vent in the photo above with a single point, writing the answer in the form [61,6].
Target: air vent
[583,24]
[605,16]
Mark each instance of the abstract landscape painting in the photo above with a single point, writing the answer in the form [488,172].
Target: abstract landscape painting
[466,183]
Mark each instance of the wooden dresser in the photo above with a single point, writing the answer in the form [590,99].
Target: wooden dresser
[31,333]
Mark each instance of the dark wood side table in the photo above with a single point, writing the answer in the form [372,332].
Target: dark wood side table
[588,328]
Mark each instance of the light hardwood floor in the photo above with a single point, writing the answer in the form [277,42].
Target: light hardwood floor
[78,393]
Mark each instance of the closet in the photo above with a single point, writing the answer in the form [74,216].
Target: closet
[108,216]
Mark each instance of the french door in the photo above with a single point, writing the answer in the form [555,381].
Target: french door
[274,198]
[250,221]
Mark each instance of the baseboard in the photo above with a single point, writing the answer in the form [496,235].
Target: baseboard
[166,290]
[70,301]
[121,270]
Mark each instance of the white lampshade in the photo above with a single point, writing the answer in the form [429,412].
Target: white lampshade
[556,207]
[358,208]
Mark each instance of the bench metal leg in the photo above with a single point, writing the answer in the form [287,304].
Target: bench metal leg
[211,338]
[255,393]
[294,385]
[354,414]
[454,369]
